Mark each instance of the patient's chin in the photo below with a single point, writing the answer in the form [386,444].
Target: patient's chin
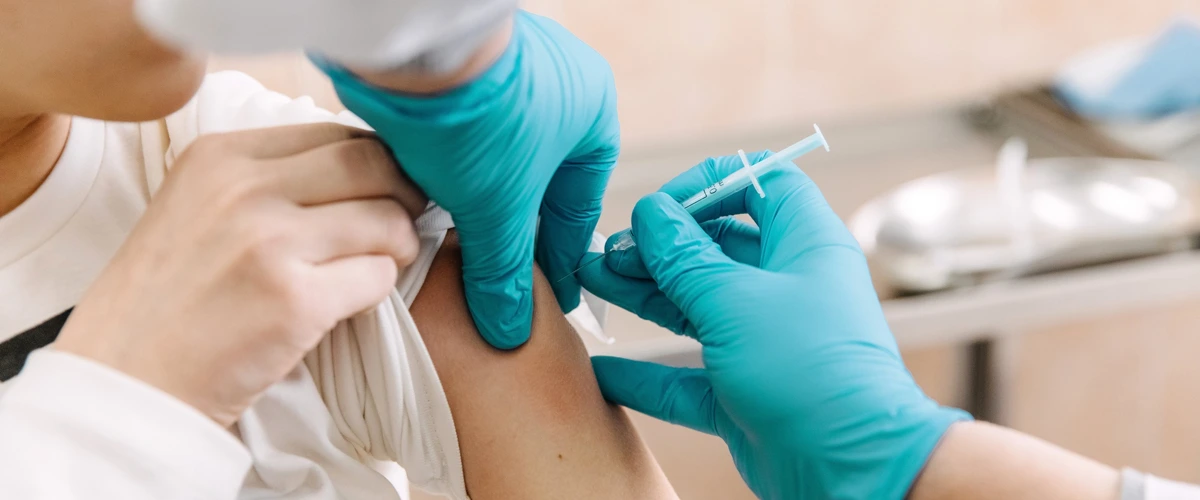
[150,92]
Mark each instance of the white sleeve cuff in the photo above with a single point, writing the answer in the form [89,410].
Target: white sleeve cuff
[1158,488]
[1138,486]
[118,432]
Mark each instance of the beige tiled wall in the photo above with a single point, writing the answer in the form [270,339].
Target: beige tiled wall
[704,67]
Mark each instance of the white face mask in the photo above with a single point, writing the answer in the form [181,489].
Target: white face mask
[382,34]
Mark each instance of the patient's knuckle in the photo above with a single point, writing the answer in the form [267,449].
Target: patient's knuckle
[218,149]
[233,192]
[357,154]
[263,240]
[297,306]
[398,231]
[206,145]
[333,131]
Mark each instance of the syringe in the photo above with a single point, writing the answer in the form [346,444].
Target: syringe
[732,184]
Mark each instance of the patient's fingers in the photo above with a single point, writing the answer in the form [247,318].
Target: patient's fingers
[346,170]
[378,226]
[279,142]
[351,285]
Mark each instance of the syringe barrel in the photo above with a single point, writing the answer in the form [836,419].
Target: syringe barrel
[720,190]
[737,181]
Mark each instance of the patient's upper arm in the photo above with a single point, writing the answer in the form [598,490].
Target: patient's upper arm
[531,422]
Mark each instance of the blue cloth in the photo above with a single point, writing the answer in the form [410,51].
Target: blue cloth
[536,134]
[802,379]
[1165,81]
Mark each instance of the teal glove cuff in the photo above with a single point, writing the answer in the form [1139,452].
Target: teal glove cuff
[879,451]
[886,461]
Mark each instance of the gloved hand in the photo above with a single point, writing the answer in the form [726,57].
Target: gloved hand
[802,377]
[536,134]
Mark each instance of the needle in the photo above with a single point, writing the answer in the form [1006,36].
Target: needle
[581,266]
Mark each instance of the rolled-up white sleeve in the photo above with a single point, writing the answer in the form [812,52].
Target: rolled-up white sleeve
[72,428]
[437,35]
[1138,486]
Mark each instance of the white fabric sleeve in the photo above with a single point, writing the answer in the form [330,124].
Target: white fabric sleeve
[381,387]
[230,101]
[1158,488]
[384,34]
[366,399]
[1138,486]
[227,101]
[72,428]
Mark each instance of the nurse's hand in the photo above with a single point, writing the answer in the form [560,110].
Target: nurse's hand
[802,377]
[258,243]
[535,135]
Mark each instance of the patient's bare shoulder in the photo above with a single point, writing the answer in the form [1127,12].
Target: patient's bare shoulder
[531,422]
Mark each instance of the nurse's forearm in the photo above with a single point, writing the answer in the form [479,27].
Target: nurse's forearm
[419,80]
[984,461]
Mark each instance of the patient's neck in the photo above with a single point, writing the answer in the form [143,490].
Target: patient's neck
[29,147]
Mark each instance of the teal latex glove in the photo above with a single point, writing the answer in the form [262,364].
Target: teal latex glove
[536,134]
[802,378]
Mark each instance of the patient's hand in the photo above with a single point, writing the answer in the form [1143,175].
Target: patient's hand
[257,244]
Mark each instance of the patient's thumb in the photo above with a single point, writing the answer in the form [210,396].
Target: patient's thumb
[680,396]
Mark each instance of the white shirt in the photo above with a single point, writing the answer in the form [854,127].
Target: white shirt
[364,398]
